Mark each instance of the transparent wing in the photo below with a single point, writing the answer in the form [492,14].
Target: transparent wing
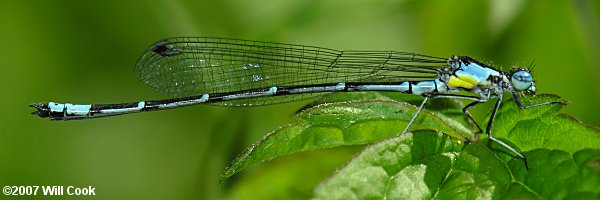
[189,66]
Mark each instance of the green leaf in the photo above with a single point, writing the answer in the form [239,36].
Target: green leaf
[447,109]
[407,167]
[563,153]
[288,177]
[430,165]
[352,122]
[544,127]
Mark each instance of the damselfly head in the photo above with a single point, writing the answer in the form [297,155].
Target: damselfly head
[522,80]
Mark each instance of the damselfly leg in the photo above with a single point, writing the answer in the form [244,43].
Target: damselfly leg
[488,130]
[466,112]
[476,101]
[521,106]
[415,116]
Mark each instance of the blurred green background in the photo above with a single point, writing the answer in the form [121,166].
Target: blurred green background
[84,52]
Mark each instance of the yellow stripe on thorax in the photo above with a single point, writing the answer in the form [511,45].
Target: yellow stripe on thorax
[462,82]
[468,78]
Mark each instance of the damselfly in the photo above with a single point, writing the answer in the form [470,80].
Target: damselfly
[235,72]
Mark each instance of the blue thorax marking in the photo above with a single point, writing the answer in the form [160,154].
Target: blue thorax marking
[476,71]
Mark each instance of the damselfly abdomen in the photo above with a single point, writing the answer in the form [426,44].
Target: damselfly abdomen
[235,72]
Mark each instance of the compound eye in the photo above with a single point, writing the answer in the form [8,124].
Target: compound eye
[521,80]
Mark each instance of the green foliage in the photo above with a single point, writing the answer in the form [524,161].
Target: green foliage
[544,127]
[345,123]
[431,165]
[84,52]
[563,154]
